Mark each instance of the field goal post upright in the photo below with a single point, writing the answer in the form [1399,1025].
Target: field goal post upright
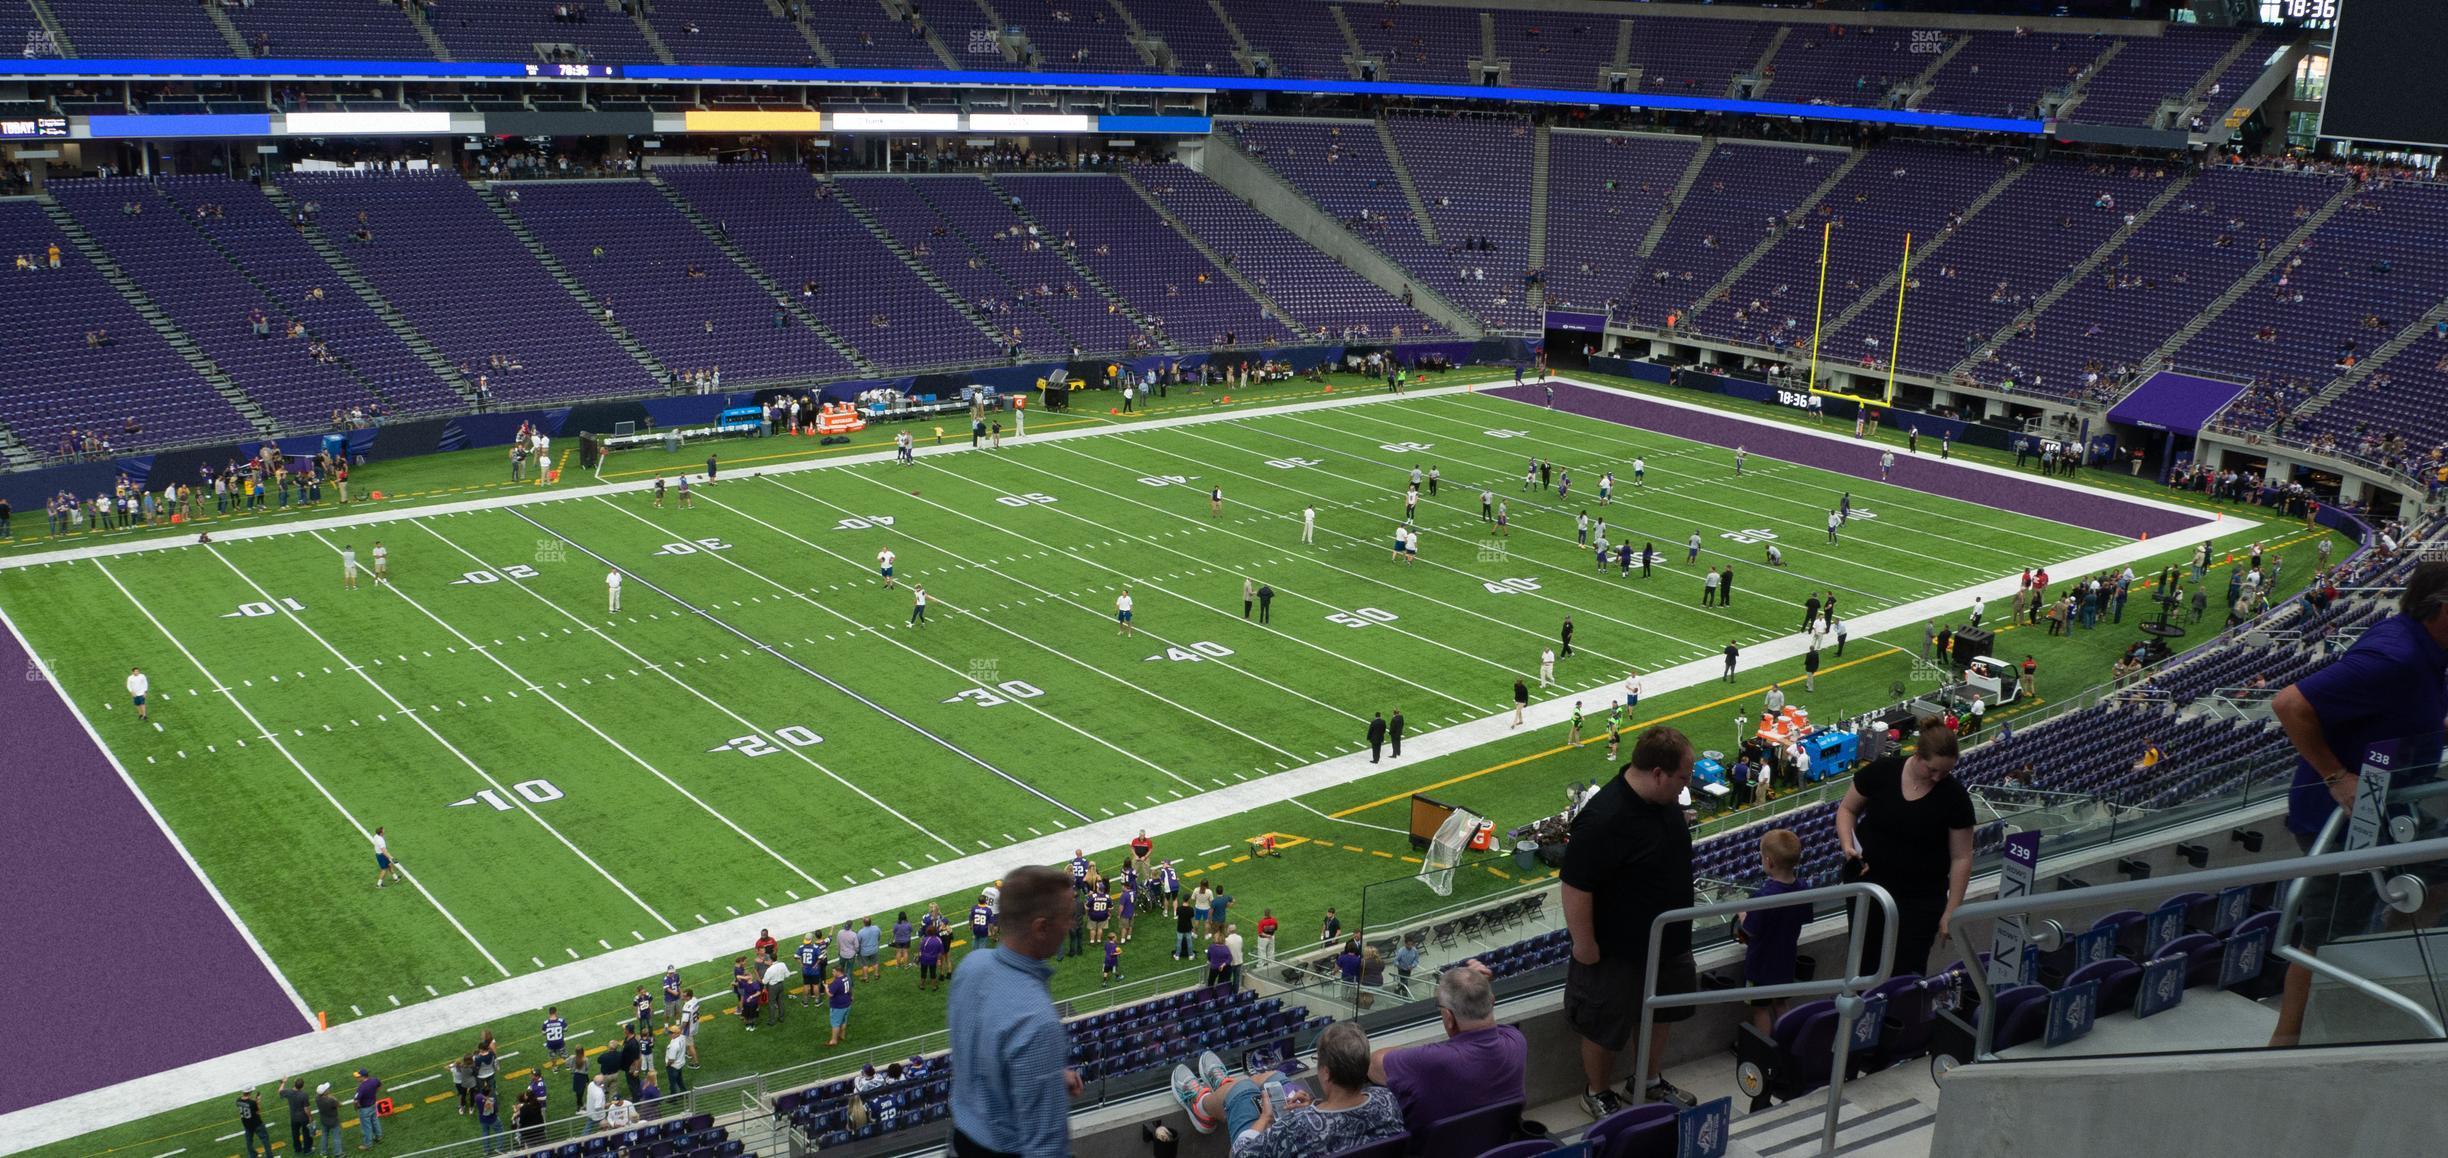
[1895,338]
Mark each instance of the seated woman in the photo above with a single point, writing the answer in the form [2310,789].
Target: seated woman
[1267,1123]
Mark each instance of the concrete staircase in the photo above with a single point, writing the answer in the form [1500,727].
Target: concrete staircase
[13,451]
[1674,200]
[1087,275]
[847,192]
[1269,193]
[654,39]
[1241,45]
[1487,40]
[1623,43]
[2200,92]
[1352,52]
[1538,198]
[425,32]
[628,342]
[824,56]
[1760,84]
[1919,86]
[1800,215]
[1018,51]
[2075,276]
[356,282]
[1402,177]
[51,24]
[1138,37]
[1884,290]
[1218,260]
[2074,102]
[2252,279]
[764,281]
[153,316]
[900,10]
[2370,365]
[229,32]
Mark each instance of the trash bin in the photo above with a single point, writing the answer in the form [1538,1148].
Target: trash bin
[671,442]
[1525,854]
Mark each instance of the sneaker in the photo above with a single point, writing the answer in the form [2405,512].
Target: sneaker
[1662,1090]
[1211,1069]
[1187,1091]
[1600,1104]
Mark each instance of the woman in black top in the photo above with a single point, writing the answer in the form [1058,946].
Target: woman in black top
[1906,826]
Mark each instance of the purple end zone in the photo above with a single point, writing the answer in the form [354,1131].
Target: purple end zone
[2077,506]
[89,878]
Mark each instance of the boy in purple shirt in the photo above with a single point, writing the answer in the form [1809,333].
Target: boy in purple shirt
[1113,960]
[1773,935]
[930,957]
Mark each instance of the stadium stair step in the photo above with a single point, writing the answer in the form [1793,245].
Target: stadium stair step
[764,281]
[1761,84]
[51,24]
[1885,286]
[1674,200]
[1539,145]
[1088,275]
[1014,42]
[2376,361]
[901,10]
[1139,38]
[824,56]
[425,32]
[2199,93]
[2256,276]
[1242,51]
[1487,39]
[1919,86]
[154,316]
[1402,177]
[2066,109]
[1352,51]
[13,450]
[2107,248]
[392,319]
[1793,220]
[1623,44]
[1213,258]
[552,265]
[654,40]
[842,190]
[229,32]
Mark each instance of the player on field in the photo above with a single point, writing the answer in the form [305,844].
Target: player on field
[384,866]
[658,492]
[1776,558]
[1416,476]
[1740,453]
[1834,521]
[687,500]
[1601,554]
[884,566]
[1623,559]
[1487,505]
[138,684]
[1546,667]
[1640,472]
[1411,546]
[1309,523]
[1504,520]
[1886,463]
[612,584]
[1606,488]
[1215,501]
[1691,548]
[1563,482]
[382,563]
[1122,612]
[918,602]
[1844,505]
[1572,735]
[348,568]
[1530,475]
[1402,535]
[1581,527]
[1432,481]
[1600,529]
[1411,503]
[1615,719]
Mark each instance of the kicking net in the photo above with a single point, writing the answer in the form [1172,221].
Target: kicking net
[1445,851]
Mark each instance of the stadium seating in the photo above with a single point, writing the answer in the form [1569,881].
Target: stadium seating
[1741,194]
[507,30]
[442,258]
[2004,74]
[1135,253]
[322,30]
[862,34]
[1319,292]
[1841,65]
[729,32]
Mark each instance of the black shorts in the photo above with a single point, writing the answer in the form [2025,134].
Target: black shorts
[1602,1002]
[2333,906]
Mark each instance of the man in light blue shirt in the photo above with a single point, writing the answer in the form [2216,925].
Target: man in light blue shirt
[1011,1088]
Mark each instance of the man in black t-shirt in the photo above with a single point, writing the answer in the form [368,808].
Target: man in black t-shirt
[1629,859]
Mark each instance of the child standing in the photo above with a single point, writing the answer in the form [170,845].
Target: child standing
[1773,935]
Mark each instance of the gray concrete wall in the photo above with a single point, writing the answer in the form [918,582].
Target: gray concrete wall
[1271,195]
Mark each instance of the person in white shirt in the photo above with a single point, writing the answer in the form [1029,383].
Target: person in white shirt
[596,1106]
[1980,606]
[1776,558]
[348,568]
[384,866]
[1632,690]
[675,1062]
[1411,537]
[620,1115]
[1122,612]
[1691,548]
[918,604]
[884,566]
[1886,463]
[1640,469]
[382,563]
[1818,633]
[1581,521]
[777,984]
[612,584]
[1308,524]
[1775,701]
[689,1005]
[138,684]
[1835,520]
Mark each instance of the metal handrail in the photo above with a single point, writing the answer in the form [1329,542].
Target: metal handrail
[2290,906]
[1846,988]
[2211,881]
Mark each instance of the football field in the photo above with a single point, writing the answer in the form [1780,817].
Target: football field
[761,724]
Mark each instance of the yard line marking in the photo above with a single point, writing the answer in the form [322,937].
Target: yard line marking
[589,725]
[1040,645]
[1215,850]
[572,952]
[691,689]
[1285,516]
[732,911]
[905,865]
[820,677]
[600,941]
[294,762]
[358,1012]
[413,1082]
[503,790]
[539,961]
[795,896]
[638,935]
[394,999]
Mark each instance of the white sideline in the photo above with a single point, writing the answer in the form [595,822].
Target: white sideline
[140,1097]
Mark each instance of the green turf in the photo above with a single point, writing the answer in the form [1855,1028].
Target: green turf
[624,725]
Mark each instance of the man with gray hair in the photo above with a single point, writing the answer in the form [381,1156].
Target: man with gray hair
[1265,1122]
[1479,1064]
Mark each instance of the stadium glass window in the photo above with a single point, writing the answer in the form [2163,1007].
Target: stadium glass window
[2312,77]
